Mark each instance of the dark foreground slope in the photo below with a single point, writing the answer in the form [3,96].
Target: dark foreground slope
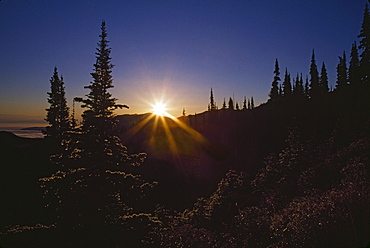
[207,145]
[22,162]
[286,174]
[311,190]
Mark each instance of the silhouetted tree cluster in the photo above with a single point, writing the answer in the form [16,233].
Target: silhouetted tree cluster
[353,77]
[314,88]
[352,80]
[96,189]
[232,104]
[364,35]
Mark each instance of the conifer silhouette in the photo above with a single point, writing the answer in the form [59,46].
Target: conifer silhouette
[287,86]
[314,74]
[342,76]
[306,88]
[99,123]
[224,104]
[324,83]
[58,113]
[231,104]
[365,48]
[212,103]
[354,76]
[274,92]
[299,85]
[244,103]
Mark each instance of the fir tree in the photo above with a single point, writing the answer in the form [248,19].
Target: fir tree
[244,103]
[365,47]
[58,113]
[237,106]
[354,76]
[301,84]
[274,92]
[212,104]
[298,86]
[96,185]
[307,88]
[315,83]
[231,104]
[252,103]
[224,104]
[324,79]
[99,122]
[342,76]
[287,87]
[249,104]
[280,90]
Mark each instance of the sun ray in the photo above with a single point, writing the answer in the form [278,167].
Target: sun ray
[154,130]
[140,125]
[163,137]
[171,138]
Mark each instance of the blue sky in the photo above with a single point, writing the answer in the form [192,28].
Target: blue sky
[173,51]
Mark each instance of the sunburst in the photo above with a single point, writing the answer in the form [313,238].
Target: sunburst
[162,121]
[160,109]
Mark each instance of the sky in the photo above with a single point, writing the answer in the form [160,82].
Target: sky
[170,51]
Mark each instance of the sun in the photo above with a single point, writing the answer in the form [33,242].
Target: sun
[159,109]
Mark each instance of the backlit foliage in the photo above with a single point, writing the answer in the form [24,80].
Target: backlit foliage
[304,196]
[97,189]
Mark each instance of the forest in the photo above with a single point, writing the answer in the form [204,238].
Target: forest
[291,172]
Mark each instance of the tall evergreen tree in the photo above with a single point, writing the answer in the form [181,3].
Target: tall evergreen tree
[274,92]
[301,84]
[212,103]
[224,104]
[365,48]
[237,106]
[307,88]
[252,103]
[96,185]
[99,122]
[58,113]
[324,83]
[342,76]
[280,90]
[287,86]
[231,104]
[354,76]
[314,74]
[249,104]
[245,103]
[298,86]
